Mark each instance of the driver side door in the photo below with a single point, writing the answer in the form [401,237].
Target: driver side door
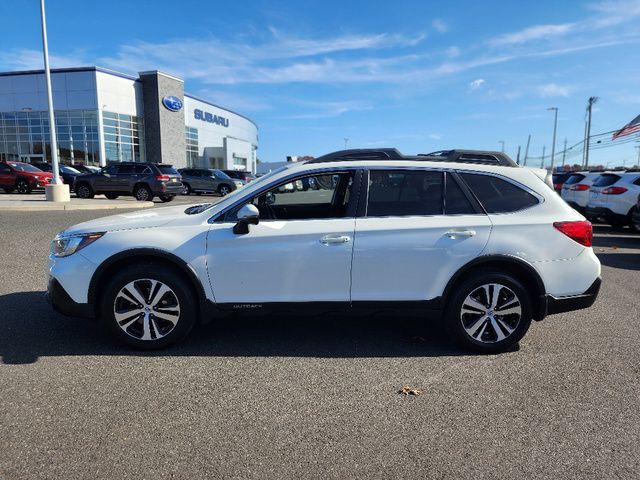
[300,251]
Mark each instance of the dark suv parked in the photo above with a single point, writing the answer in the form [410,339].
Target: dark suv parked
[206,180]
[142,180]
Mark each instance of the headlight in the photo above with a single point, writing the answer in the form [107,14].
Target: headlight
[62,246]
[239,183]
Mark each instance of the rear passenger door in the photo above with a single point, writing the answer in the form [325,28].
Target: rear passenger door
[419,227]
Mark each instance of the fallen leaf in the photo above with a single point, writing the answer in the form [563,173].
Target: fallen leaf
[407,390]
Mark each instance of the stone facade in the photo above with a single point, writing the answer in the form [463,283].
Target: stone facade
[164,128]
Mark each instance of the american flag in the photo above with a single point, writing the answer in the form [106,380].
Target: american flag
[632,127]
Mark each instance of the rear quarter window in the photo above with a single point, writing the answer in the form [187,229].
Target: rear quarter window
[497,195]
[167,170]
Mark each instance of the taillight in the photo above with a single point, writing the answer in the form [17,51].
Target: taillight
[581,231]
[613,190]
[580,187]
[557,186]
[162,177]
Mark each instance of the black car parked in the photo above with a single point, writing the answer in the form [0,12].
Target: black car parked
[67,173]
[141,180]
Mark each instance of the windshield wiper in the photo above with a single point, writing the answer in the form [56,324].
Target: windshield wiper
[192,210]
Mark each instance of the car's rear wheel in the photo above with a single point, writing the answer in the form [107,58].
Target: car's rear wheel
[111,196]
[143,193]
[224,190]
[186,189]
[22,186]
[84,190]
[166,198]
[148,306]
[634,219]
[489,312]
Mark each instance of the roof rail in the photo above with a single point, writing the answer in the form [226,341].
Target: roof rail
[456,156]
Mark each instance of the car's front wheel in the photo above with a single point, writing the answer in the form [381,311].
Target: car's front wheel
[186,189]
[489,312]
[84,190]
[224,190]
[148,306]
[166,198]
[22,186]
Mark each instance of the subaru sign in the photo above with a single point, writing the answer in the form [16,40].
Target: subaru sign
[172,103]
[210,117]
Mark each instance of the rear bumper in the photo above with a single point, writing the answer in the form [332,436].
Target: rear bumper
[62,303]
[604,213]
[169,189]
[573,302]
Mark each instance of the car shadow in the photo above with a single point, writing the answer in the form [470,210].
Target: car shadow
[626,261]
[31,329]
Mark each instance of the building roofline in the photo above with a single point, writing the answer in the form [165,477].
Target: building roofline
[122,75]
[193,97]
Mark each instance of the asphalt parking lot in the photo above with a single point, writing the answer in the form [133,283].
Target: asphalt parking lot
[314,397]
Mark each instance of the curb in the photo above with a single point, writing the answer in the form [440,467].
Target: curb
[58,207]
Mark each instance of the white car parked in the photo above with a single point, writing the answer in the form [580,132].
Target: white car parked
[613,197]
[466,236]
[575,190]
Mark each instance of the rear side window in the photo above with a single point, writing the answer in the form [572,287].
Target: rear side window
[637,181]
[125,169]
[167,170]
[497,195]
[574,178]
[404,192]
[456,202]
[605,180]
[142,169]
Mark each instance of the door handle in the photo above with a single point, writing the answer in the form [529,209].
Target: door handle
[460,233]
[334,239]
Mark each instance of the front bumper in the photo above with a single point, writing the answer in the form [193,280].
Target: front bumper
[62,303]
[573,302]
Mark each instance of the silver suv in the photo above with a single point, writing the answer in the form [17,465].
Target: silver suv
[208,180]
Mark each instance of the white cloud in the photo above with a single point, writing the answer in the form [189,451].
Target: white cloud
[28,59]
[435,136]
[553,90]
[452,52]
[440,25]
[536,32]
[477,83]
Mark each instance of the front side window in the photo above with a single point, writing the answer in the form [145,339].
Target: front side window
[404,193]
[320,196]
[5,169]
[497,195]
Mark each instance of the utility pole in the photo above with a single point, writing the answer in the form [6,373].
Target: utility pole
[564,151]
[518,156]
[526,150]
[501,142]
[638,147]
[542,162]
[346,140]
[590,103]
[57,191]
[555,128]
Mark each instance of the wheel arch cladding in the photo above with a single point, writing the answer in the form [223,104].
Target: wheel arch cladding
[129,257]
[521,270]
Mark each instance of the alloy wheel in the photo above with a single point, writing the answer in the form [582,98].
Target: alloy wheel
[224,190]
[142,194]
[146,309]
[22,187]
[491,313]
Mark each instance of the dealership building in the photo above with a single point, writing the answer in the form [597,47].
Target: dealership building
[104,116]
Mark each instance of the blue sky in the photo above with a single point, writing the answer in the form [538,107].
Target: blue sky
[417,75]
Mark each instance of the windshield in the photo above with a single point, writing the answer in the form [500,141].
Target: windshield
[25,167]
[66,169]
[220,174]
[201,208]
[167,170]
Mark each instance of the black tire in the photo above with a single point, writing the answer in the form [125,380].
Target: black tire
[84,190]
[180,297]
[143,193]
[224,189]
[487,338]
[186,189]
[617,224]
[111,196]
[166,198]
[635,227]
[23,187]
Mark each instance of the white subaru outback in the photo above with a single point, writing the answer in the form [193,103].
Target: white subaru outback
[465,236]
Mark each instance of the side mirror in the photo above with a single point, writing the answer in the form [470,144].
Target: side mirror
[247,215]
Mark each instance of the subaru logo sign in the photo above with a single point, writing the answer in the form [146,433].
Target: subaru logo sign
[172,103]
[210,117]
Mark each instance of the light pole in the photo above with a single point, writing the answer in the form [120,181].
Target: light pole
[590,104]
[346,141]
[526,150]
[638,147]
[555,128]
[502,143]
[544,147]
[564,151]
[57,191]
